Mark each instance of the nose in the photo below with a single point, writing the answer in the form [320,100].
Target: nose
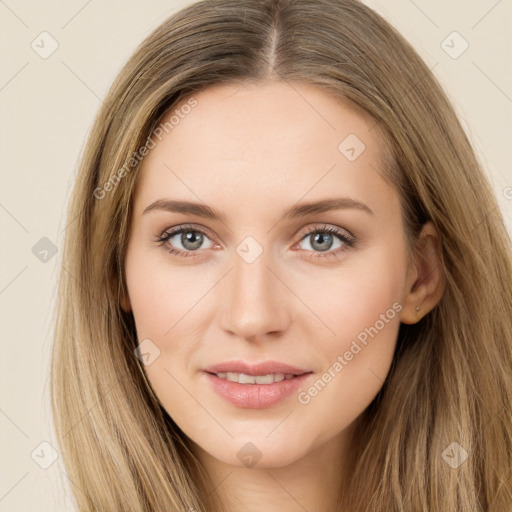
[254,300]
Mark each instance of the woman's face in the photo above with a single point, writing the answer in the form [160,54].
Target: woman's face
[257,174]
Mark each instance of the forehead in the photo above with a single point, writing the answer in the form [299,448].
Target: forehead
[276,140]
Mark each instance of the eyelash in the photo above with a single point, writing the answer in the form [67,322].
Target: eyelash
[349,242]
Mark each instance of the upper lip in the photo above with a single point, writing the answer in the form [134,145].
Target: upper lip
[263,368]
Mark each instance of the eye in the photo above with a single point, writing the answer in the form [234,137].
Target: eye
[183,240]
[324,239]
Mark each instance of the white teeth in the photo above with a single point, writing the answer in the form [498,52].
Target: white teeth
[242,378]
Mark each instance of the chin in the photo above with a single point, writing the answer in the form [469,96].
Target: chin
[255,453]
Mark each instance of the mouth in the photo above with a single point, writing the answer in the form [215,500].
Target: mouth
[243,378]
[243,369]
[257,390]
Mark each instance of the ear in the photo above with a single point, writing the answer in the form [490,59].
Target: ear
[426,278]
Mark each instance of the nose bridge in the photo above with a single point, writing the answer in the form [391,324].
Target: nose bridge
[254,304]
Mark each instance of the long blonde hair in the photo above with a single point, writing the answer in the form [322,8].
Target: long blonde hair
[451,378]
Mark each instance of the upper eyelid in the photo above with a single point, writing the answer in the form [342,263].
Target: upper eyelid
[178,229]
[327,227]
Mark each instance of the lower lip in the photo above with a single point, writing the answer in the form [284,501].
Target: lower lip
[256,396]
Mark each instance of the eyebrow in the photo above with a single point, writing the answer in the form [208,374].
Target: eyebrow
[300,210]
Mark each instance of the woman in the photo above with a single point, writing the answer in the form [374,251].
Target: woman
[288,284]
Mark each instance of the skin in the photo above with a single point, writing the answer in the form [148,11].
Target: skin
[252,152]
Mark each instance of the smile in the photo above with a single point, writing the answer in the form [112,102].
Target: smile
[256,391]
[243,378]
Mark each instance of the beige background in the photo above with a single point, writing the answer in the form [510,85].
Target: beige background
[47,107]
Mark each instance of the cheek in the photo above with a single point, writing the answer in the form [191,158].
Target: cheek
[363,291]
[162,302]
[167,304]
[361,306]
[161,296]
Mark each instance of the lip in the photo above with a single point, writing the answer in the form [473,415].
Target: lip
[256,396]
[263,368]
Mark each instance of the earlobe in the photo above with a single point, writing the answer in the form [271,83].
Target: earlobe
[427,278]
